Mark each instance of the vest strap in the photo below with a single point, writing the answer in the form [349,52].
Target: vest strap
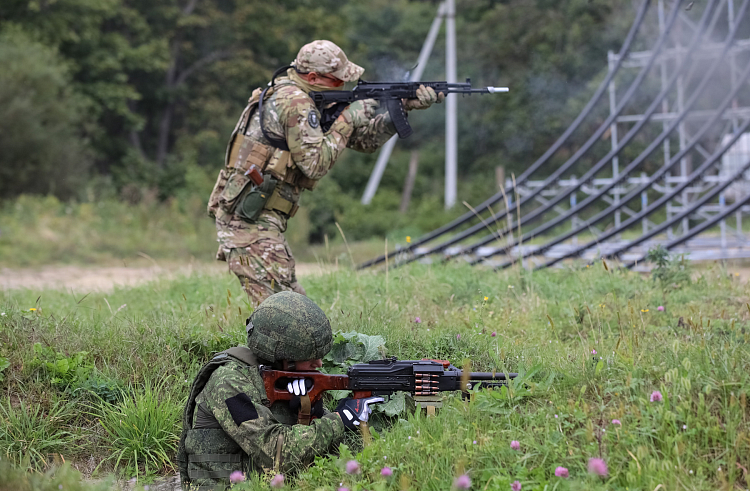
[215,457]
[303,416]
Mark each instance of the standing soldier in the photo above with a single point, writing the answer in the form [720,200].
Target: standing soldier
[281,145]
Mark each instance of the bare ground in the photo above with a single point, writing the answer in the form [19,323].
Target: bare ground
[103,278]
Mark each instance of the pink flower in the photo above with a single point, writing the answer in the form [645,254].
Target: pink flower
[494,333]
[660,308]
[236,476]
[277,481]
[352,467]
[656,396]
[515,445]
[462,482]
[386,472]
[343,489]
[616,422]
[598,467]
[417,320]
[516,486]
[458,337]
[593,351]
[562,472]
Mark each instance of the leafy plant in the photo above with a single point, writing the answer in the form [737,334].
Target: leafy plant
[4,363]
[101,388]
[350,348]
[143,430]
[63,477]
[671,269]
[29,434]
[63,370]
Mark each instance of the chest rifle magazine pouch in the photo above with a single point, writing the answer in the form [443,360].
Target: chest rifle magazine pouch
[252,203]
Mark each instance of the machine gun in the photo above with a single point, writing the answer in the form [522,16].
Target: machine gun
[421,378]
[391,93]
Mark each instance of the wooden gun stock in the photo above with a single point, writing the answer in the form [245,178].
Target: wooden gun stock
[275,383]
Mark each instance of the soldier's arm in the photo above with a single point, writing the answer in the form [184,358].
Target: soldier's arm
[369,138]
[312,150]
[235,403]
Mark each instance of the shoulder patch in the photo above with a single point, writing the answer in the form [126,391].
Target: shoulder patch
[241,408]
[313,119]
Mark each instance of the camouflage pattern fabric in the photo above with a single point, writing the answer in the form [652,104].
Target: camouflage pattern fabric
[288,326]
[235,395]
[324,57]
[265,265]
[289,113]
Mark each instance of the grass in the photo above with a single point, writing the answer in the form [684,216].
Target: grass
[591,344]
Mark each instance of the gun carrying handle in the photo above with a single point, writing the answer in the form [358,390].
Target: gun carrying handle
[398,116]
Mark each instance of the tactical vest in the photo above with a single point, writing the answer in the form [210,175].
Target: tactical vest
[234,191]
[206,457]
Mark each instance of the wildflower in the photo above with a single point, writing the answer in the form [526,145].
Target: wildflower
[59,486]
[660,308]
[386,472]
[486,298]
[236,476]
[684,427]
[458,337]
[2,314]
[644,310]
[352,467]
[511,286]
[516,486]
[593,351]
[343,489]
[408,239]
[277,481]
[475,442]
[462,482]
[32,309]
[409,437]
[417,320]
[656,396]
[556,416]
[562,472]
[494,333]
[515,445]
[598,467]
[385,457]
[616,422]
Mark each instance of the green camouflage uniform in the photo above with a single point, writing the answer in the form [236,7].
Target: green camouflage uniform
[258,252]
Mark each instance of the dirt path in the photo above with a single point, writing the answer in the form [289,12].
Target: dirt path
[102,278]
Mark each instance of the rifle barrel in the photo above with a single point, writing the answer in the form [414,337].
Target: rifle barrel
[491,376]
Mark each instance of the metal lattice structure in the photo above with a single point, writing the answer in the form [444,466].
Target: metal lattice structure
[677,172]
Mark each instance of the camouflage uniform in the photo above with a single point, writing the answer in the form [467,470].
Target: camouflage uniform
[229,424]
[257,251]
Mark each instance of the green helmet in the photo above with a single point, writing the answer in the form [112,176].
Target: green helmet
[289,326]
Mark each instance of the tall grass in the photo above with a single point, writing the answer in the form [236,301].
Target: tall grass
[593,345]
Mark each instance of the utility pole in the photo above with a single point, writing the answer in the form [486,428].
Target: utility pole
[451,104]
[385,152]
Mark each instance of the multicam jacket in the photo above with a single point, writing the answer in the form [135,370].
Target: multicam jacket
[233,427]
[289,114]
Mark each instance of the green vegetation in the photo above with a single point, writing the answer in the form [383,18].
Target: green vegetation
[592,346]
[134,100]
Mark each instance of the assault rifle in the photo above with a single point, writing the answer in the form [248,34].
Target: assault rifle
[391,93]
[384,377]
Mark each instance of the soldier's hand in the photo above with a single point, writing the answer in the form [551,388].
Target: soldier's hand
[356,411]
[299,386]
[426,97]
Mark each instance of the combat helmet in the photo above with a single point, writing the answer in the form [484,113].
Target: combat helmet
[289,326]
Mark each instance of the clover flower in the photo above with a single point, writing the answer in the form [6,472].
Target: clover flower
[386,472]
[352,467]
[656,396]
[516,486]
[515,445]
[462,482]
[562,472]
[458,337]
[593,351]
[616,422]
[236,476]
[660,308]
[417,320]
[494,333]
[598,467]
[277,481]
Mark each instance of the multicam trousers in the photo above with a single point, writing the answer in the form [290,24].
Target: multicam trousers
[264,267]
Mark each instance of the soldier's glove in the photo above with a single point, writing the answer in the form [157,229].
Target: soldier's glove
[354,411]
[426,97]
[299,387]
